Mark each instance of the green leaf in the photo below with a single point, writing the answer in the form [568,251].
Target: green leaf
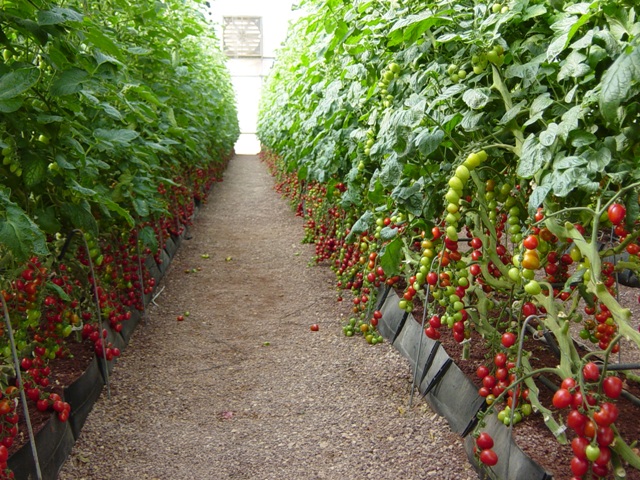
[428,140]
[68,82]
[534,157]
[116,137]
[537,197]
[47,220]
[58,290]
[11,105]
[390,256]
[17,82]
[617,83]
[362,225]
[80,216]
[387,233]
[148,237]
[34,171]
[141,207]
[476,98]
[58,15]
[18,232]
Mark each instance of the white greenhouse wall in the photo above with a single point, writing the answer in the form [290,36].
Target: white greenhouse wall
[247,74]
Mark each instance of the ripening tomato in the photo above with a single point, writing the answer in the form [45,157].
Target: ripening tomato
[531,242]
[616,213]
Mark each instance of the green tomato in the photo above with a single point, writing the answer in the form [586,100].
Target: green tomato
[514,274]
[452,196]
[462,173]
[592,452]
[533,287]
[456,184]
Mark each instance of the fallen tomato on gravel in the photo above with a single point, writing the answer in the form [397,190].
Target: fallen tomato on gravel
[315,327]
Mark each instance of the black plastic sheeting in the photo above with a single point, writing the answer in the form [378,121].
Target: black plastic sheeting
[452,395]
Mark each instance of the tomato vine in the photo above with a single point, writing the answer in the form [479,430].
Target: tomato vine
[488,150]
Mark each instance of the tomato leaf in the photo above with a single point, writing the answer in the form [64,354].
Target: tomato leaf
[390,256]
[17,82]
[618,81]
[534,157]
[18,232]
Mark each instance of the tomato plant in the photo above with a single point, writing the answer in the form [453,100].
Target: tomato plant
[492,172]
[102,162]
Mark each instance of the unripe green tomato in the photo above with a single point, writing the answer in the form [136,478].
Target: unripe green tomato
[450,219]
[452,233]
[457,317]
[517,238]
[456,184]
[419,278]
[453,298]
[394,68]
[514,274]
[514,212]
[463,281]
[526,409]
[452,208]
[477,69]
[424,261]
[506,188]
[513,229]
[533,287]
[455,78]
[492,204]
[473,160]
[462,74]
[509,202]
[528,274]
[513,220]
[457,306]
[437,294]
[452,68]
[423,269]
[388,76]
[493,215]
[488,196]
[462,173]
[452,196]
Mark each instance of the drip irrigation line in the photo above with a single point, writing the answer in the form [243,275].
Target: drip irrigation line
[23,398]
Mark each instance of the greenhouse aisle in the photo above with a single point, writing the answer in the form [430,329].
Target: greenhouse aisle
[242,388]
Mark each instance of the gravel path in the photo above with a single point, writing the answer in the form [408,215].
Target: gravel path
[242,389]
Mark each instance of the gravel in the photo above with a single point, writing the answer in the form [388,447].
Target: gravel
[242,388]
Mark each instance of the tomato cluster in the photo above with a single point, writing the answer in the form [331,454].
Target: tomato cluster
[591,416]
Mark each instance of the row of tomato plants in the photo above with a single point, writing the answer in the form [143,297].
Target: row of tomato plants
[482,157]
[115,120]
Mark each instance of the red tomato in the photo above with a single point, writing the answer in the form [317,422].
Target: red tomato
[576,421]
[482,371]
[531,242]
[616,213]
[579,466]
[562,398]
[508,339]
[488,457]
[500,360]
[590,372]
[579,445]
[568,383]
[484,441]
[612,387]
